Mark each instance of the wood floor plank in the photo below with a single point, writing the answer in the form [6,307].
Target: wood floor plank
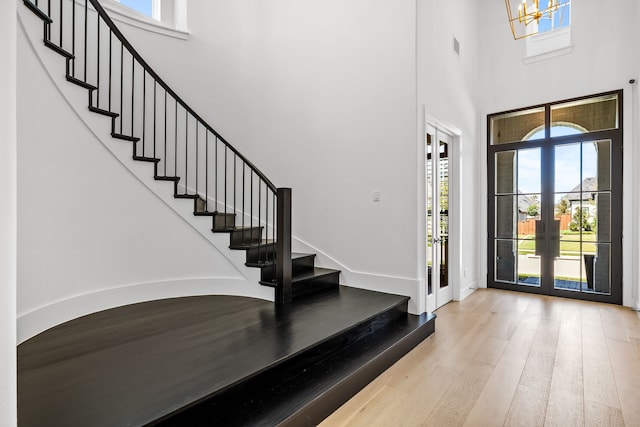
[564,410]
[493,404]
[599,415]
[455,403]
[528,407]
[599,382]
[623,362]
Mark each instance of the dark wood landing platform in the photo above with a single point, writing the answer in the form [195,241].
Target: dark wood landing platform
[213,360]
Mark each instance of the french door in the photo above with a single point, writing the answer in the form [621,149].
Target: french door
[438,144]
[555,199]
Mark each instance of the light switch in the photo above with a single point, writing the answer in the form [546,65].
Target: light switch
[376,195]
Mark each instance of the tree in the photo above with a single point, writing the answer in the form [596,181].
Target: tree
[532,210]
[579,221]
[563,206]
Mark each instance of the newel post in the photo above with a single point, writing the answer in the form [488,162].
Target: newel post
[283,247]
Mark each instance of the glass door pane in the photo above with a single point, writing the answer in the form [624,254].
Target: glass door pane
[517,212]
[443,185]
[582,198]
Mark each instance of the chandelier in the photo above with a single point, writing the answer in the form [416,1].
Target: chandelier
[531,15]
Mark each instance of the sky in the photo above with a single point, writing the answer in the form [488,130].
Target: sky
[143,6]
[567,164]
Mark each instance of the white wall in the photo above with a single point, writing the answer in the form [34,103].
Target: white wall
[322,97]
[8,214]
[447,91]
[604,56]
[90,235]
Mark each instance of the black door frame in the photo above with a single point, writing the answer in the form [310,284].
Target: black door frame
[547,145]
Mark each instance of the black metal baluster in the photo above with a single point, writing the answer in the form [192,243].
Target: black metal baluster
[186,152]
[49,15]
[165,133]
[243,195]
[73,36]
[133,87]
[225,180]
[85,40]
[61,22]
[97,61]
[260,220]
[175,143]
[216,174]
[110,62]
[266,221]
[275,220]
[155,110]
[197,149]
[121,85]
[251,200]
[206,170]
[144,112]
[235,187]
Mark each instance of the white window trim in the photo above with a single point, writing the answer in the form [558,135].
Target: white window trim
[126,15]
[548,45]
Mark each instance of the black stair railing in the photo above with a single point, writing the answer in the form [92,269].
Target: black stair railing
[167,132]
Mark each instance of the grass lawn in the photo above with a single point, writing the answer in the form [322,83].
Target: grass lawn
[569,243]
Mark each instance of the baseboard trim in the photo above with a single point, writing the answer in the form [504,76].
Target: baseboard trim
[35,321]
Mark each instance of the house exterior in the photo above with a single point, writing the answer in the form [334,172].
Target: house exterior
[329,98]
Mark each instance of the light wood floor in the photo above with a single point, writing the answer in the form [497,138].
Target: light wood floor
[514,359]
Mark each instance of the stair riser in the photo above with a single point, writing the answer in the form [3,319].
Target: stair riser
[224,221]
[214,410]
[246,236]
[333,399]
[264,253]
[298,265]
[327,282]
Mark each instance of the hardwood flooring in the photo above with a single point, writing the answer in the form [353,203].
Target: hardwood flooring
[502,358]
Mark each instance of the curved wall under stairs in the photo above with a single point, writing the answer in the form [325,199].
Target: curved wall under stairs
[95,230]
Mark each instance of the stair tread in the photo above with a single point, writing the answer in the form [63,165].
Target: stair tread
[166,178]
[294,256]
[81,83]
[125,137]
[252,245]
[103,112]
[146,159]
[51,45]
[312,274]
[37,11]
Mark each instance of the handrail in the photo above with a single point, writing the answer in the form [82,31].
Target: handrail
[116,31]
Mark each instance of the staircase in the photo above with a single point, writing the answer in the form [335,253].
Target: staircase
[182,148]
[337,339]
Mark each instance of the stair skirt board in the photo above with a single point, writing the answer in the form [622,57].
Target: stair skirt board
[214,360]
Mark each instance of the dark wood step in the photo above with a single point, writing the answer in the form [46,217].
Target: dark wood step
[166,178]
[305,388]
[146,159]
[223,222]
[245,234]
[300,262]
[160,357]
[39,13]
[83,84]
[311,281]
[125,137]
[51,45]
[103,112]
[258,252]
